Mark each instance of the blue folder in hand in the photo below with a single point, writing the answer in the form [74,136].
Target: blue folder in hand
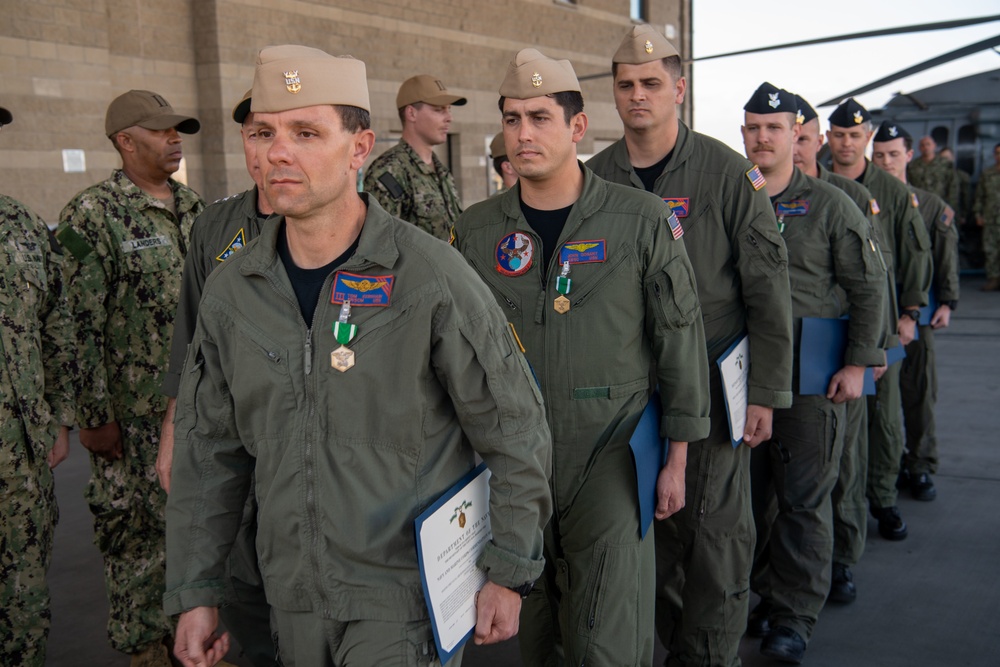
[649,453]
[821,354]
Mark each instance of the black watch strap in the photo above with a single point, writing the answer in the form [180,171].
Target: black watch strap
[523,589]
[912,313]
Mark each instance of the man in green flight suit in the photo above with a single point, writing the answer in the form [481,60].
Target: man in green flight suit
[125,240]
[850,505]
[905,238]
[892,149]
[223,228]
[408,179]
[595,279]
[348,366]
[704,552]
[36,410]
[830,253]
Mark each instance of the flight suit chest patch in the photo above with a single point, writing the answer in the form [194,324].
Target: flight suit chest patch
[514,254]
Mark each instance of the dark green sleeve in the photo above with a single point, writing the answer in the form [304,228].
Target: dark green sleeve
[914,265]
[945,237]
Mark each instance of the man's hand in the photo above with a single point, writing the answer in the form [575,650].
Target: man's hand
[942,317]
[846,384]
[104,441]
[196,644]
[670,482]
[758,426]
[60,449]
[165,455]
[498,610]
[907,329]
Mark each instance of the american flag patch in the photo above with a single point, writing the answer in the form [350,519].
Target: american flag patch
[675,226]
[757,179]
[874,206]
[914,200]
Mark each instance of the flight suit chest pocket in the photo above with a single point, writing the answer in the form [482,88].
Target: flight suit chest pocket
[261,379]
[764,246]
[674,295]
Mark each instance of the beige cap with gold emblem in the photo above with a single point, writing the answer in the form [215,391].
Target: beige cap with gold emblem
[428,89]
[643,44]
[497,147]
[293,77]
[531,74]
[147,110]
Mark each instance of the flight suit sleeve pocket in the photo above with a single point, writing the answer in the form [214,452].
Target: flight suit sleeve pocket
[762,243]
[917,235]
[870,255]
[674,295]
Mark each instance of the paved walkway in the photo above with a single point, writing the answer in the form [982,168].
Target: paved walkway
[931,600]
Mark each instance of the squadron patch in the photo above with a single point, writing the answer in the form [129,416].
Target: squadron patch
[797,207]
[238,242]
[514,254]
[756,178]
[361,290]
[583,252]
[681,206]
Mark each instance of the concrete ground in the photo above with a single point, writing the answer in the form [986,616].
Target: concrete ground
[932,599]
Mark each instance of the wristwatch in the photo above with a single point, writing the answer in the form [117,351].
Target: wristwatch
[953,304]
[523,589]
[912,313]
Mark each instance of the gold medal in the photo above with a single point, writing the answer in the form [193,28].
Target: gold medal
[561,304]
[342,359]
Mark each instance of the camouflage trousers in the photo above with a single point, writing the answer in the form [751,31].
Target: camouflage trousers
[29,514]
[127,503]
[991,249]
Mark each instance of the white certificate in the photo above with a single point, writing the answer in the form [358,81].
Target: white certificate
[734,367]
[451,534]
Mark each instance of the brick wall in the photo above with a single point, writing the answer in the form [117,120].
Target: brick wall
[62,61]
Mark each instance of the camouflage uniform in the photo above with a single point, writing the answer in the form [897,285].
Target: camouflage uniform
[35,399]
[125,251]
[409,188]
[937,176]
[987,205]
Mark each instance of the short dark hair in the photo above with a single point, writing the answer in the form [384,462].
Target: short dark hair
[571,102]
[498,162]
[353,119]
[908,143]
[402,111]
[671,63]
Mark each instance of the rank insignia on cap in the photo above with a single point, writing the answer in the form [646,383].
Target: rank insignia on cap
[675,226]
[858,118]
[536,79]
[873,205]
[648,46]
[514,254]
[799,117]
[798,207]
[362,290]
[681,206]
[756,178]
[773,100]
[238,242]
[583,252]
[914,200]
[292,82]
[893,132]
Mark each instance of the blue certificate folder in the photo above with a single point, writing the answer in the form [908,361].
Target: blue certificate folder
[821,354]
[649,453]
[927,312]
[446,497]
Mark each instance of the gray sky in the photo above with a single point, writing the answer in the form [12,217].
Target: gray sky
[818,73]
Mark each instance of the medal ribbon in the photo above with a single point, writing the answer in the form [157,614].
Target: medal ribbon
[343,331]
[563,281]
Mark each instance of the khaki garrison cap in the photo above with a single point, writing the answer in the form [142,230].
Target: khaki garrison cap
[531,74]
[643,44]
[497,147]
[293,77]
[148,110]
[242,108]
[425,88]
[6,118]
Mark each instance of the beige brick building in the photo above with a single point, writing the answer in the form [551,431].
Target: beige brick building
[62,61]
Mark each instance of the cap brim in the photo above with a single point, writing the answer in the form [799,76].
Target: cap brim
[446,100]
[6,118]
[184,124]
[242,110]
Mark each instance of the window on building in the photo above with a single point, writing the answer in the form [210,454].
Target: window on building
[638,10]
